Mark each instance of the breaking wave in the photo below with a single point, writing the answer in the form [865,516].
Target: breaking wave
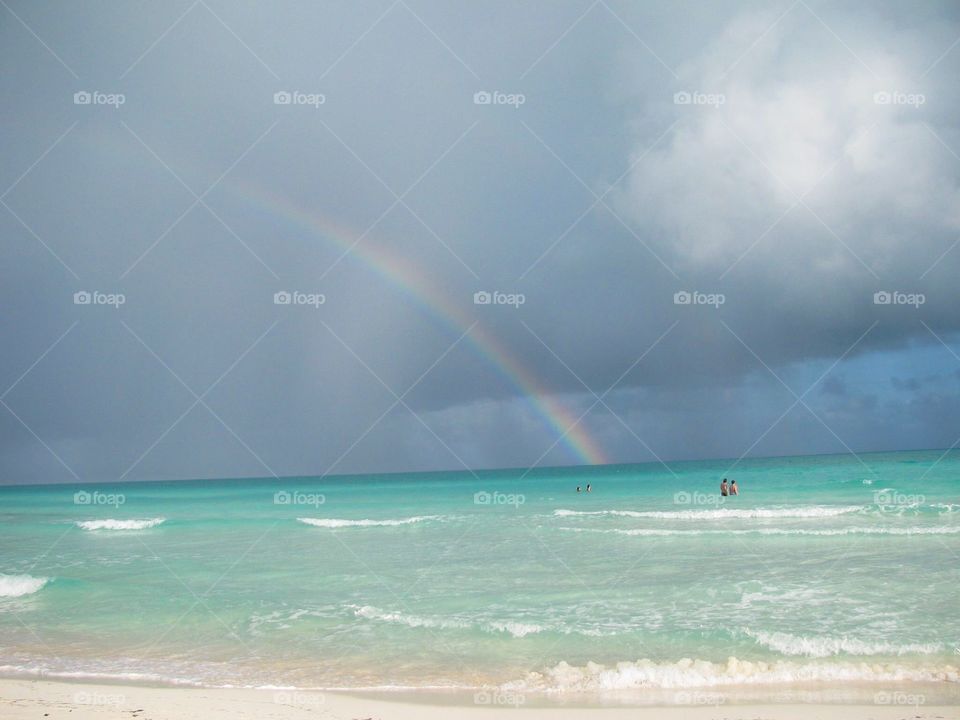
[119,524]
[814,646]
[810,511]
[20,585]
[656,532]
[341,523]
[514,628]
[688,673]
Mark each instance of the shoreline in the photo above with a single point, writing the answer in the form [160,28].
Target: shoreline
[810,692]
[21,699]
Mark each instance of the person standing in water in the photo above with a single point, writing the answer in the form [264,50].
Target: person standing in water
[724,490]
[588,487]
[734,490]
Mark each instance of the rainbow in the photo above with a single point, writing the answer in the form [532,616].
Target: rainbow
[408,278]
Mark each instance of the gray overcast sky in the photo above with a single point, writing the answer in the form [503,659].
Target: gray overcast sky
[788,159]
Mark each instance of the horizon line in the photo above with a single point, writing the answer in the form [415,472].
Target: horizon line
[518,468]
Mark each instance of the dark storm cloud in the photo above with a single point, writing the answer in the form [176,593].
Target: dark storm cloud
[813,167]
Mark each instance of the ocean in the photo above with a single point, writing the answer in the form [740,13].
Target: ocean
[827,578]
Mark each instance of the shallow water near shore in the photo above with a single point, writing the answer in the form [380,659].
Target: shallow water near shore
[827,580]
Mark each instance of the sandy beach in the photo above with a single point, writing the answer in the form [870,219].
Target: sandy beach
[22,699]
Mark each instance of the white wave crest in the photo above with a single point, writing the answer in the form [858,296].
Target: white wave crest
[119,524]
[372,613]
[655,532]
[946,508]
[688,673]
[825,646]
[341,523]
[514,628]
[20,585]
[808,511]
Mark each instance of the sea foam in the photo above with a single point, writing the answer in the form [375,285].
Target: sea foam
[341,523]
[690,673]
[20,585]
[415,621]
[514,628]
[656,532]
[119,524]
[814,646]
[807,511]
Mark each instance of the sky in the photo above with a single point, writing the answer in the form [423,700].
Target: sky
[364,237]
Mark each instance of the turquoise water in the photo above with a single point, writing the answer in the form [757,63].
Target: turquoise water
[825,572]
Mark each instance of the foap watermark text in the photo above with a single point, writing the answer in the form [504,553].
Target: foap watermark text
[482,297]
[699,98]
[495,97]
[498,498]
[92,697]
[295,97]
[83,497]
[95,297]
[685,297]
[898,697]
[893,497]
[499,696]
[697,498]
[896,297]
[896,97]
[95,97]
[295,297]
[295,497]
[699,697]
[298,698]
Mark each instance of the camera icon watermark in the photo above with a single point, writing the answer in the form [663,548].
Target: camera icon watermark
[482,297]
[896,97]
[896,297]
[499,697]
[295,297]
[495,97]
[685,297]
[685,97]
[498,498]
[295,97]
[95,97]
[285,497]
[95,297]
[83,497]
